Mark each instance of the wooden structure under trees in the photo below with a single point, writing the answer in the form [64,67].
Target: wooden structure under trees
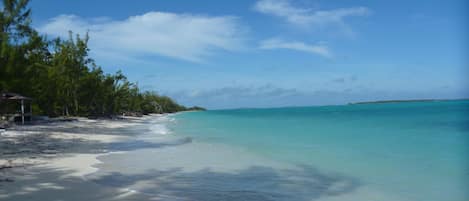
[13,106]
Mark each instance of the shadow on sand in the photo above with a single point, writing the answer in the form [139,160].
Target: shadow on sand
[254,183]
[32,145]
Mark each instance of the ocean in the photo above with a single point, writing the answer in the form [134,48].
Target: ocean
[409,151]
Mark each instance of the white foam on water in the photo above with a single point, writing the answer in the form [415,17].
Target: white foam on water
[159,128]
[159,124]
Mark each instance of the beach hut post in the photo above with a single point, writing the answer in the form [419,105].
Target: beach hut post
[22,111]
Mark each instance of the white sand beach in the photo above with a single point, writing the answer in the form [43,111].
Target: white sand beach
[49,161]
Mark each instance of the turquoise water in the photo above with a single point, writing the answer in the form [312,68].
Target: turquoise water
[393,151]
[372,152]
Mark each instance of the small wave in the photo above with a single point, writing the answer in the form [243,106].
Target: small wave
[159,129]
[158,125]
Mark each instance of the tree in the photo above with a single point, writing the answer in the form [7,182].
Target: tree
[60,75]
[15,32]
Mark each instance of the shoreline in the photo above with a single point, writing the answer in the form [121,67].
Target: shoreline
[406,101]
[154,159]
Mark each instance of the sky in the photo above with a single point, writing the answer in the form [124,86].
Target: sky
[274,53]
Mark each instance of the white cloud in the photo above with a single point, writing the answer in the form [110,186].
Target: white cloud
[308,17]
[275,43]
[180,36]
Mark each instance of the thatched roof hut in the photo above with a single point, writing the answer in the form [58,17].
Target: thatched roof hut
[9,106]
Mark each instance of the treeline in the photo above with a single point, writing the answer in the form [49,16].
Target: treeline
[60,75]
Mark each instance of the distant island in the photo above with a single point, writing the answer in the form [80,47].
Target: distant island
[405,101]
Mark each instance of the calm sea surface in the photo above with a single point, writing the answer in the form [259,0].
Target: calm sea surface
[394,151]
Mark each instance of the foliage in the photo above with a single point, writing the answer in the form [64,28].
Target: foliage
[60,75]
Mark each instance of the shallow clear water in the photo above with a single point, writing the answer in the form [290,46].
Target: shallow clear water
[394,151]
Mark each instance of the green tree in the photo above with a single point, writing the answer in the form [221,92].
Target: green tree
[60,75]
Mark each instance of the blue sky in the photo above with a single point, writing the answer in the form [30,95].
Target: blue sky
[274,53]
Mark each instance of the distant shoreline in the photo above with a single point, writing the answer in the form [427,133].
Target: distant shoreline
[340,104]
[406,101]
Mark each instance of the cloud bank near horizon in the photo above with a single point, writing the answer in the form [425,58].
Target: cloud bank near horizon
[276,96]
